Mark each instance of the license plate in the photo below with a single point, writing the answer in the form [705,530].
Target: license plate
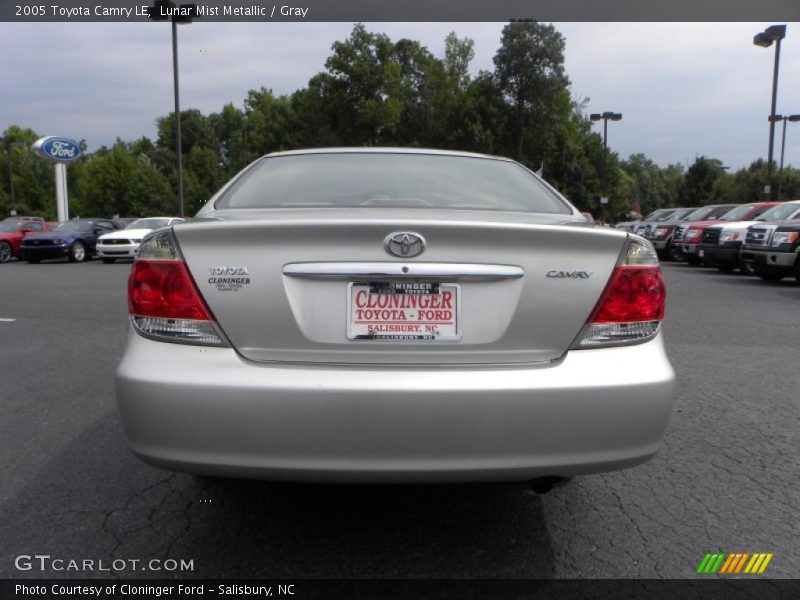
[701,253]
[403,310]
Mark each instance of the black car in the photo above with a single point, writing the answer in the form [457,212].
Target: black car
[74,239]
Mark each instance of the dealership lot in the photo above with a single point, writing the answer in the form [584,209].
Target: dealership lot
[726,479]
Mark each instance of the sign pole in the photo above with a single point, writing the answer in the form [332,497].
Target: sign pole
[62,198]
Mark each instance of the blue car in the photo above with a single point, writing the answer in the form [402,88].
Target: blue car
[74,239]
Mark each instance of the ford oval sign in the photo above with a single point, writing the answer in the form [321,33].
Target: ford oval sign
[58,148]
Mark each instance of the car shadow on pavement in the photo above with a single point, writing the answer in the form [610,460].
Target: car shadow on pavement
[97,501]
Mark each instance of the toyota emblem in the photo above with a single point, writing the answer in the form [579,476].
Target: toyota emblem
[404,244]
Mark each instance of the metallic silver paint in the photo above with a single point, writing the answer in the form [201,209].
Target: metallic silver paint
[283,318]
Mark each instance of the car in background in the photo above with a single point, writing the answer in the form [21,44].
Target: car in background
[633,226]
[75,239]
[687,235]
[781,259]
[757,251]
[13,231]
[125,242]
[666,214]
[393,315]
[19,219]
[721,244]
[660,232]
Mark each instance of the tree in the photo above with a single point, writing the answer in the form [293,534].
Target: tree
[34,182]
[529,68]
[458,54]
[701,185]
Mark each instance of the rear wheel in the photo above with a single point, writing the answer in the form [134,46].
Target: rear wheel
[675,253]
[108,261]
[5,252]
[77,252]
[693,260]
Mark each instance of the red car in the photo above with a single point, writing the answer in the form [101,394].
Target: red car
[12,233]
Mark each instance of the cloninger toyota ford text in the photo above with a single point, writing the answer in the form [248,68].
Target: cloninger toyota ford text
[394,315]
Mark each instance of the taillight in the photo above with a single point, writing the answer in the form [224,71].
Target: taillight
[631,308]
[163,300]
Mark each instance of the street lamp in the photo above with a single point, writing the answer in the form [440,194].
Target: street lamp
[774,119]
[773,33]
[13,198]
[180,15]
[606,117]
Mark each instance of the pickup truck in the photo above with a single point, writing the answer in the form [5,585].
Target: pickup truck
[13,230]
[686,235]
[721,244]
[771,249]
[660,232]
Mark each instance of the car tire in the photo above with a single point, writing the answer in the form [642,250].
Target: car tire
[34,261]
[766,276]
[5,252]
[726,268]
[746,268]
[675,253]
[77,252]
[108,261]
[693,260]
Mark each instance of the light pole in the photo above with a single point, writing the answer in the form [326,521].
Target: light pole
[179,15]
[606,117]
[774,119]
[773,33]
[13,198]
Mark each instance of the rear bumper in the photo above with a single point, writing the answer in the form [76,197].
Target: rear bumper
[206,410]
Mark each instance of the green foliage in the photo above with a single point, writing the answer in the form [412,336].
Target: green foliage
[529,70]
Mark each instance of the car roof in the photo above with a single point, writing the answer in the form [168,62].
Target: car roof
[385,150]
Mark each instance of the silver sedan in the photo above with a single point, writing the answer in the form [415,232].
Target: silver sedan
[394,315]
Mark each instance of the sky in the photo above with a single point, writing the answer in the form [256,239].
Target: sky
[684,89]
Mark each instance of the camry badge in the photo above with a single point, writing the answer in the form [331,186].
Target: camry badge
[569,274]
[404,244]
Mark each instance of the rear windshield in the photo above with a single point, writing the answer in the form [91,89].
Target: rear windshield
[391,180]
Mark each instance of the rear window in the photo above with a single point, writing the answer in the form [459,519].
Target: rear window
[391,180]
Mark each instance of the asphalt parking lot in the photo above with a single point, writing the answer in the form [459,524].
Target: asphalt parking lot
[726,479]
